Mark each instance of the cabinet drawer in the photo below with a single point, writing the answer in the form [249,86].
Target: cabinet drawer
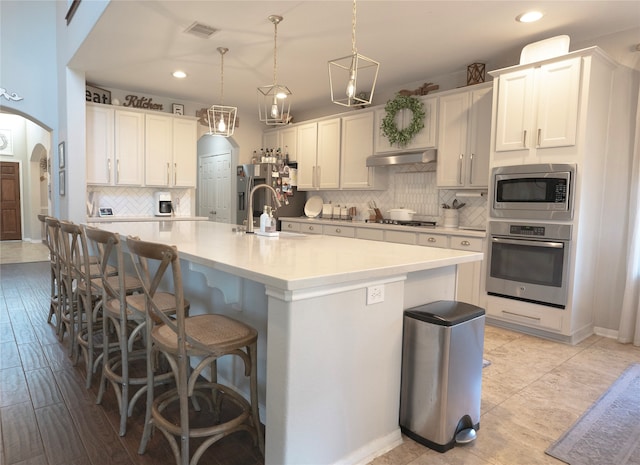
[525,313]
[473,244]
[290,226]
[400,237]
[344,231]
[370,234]
[433,240]
[311,228]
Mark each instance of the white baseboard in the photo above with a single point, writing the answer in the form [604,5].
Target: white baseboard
[605,332]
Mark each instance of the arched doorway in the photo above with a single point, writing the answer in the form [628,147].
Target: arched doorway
[29,147]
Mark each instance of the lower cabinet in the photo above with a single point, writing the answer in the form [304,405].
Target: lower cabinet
[525,313]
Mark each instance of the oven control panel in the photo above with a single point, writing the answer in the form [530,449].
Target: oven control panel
[527,230]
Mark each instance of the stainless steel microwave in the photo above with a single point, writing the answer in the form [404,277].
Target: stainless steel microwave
[536,191]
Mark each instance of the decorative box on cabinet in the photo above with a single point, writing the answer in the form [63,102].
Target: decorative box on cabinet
[426,138]
[464,138]
[538,106]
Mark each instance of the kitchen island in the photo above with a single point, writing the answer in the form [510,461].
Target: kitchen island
[329,315]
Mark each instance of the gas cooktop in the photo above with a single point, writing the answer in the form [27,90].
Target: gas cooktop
[420,224]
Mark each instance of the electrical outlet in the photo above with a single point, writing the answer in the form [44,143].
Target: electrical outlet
[375,294]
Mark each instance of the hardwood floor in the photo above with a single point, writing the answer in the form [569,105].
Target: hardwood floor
[47,417]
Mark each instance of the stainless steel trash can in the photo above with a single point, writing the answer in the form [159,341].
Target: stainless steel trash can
[442,373]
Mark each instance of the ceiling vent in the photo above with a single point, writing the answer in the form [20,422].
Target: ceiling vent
[200,30]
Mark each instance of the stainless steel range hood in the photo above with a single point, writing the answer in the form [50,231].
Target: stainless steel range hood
[403,158]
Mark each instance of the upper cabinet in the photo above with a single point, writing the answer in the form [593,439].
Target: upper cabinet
[115,146]
[464,138]
[426,138]
[170,151]
[538,106]
[285,139]
[137,148]
[318,155]
[357,145]
[99,134]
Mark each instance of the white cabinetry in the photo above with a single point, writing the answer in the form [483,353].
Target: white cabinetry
[158,152]
[357,145]
[464,136]
[129,148]
[100,145]
[185,152]
[426,138]
[318,155]
[538,106]
[136,148]
[284,139]
[115,146]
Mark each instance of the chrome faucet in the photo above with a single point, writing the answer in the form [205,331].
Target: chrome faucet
[250,206]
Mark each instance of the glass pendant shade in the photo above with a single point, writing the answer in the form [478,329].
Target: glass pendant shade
[222,118]
[274,101]
[353,78]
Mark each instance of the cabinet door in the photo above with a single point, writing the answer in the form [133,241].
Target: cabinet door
[514,110]
[288,141]
[185,152]
[558,103]
[452,139]
[381,143]
[307,150]
[357,145]
[158,149]
[427,137]
[99,145]
[328,165]
[479,145]
[129,147]
[270,139]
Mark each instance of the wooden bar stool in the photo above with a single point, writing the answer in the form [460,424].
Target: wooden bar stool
[207,336]
[127,321]
[53,242]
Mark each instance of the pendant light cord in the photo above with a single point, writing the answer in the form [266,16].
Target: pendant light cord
[221,77]
[275,49]
[353,29]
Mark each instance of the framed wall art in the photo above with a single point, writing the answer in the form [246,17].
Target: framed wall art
[61,183]
[62,157]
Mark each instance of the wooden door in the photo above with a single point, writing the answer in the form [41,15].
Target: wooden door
[10,215]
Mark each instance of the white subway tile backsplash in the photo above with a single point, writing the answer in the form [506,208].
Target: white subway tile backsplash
[138,201]
[412,187]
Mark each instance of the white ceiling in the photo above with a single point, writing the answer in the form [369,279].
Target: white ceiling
[137,44]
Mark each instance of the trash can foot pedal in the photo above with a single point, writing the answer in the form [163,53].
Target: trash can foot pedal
[466,436]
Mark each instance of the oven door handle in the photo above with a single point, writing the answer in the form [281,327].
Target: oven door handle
[555,245]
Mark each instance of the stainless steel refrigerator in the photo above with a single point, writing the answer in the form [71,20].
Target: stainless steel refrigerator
[279,176]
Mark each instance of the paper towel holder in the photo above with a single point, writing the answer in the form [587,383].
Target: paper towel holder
[469,194]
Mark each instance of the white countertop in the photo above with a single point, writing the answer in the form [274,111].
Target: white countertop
[291,261]
[395,227]
[122,219]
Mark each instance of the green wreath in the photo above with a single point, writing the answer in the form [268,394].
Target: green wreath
[389,128]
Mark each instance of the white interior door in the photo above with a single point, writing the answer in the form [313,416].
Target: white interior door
[215,187]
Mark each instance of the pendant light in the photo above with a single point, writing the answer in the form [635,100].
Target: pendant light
[273,101]
[222,119]
[353,78]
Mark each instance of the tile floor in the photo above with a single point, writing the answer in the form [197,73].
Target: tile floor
[532,392]
[22,252]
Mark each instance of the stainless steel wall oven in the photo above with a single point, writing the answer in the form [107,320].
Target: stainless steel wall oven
[529,262]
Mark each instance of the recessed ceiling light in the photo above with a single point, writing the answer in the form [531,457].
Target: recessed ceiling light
[179,74]
[529,17]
